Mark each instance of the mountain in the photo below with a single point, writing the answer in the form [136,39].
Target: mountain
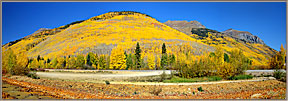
[184,26]
[253,45]
[103,33]
[100,34]
[243,35]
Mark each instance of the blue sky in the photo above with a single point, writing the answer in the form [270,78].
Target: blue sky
[266,20]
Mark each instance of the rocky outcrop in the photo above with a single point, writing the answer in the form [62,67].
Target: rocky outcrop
[243,35]
[184,26]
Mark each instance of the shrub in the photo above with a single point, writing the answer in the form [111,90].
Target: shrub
[107,82]
[200,89]
[33,75]
[240,77]
[163,75]
[214,78]
[278,74]
[156,90]
[283,79]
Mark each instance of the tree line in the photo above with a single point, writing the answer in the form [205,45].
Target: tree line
[216,63]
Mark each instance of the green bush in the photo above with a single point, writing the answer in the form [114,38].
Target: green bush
[278,74]
[107,82]
[200,89]
[162,76]
[240,77]
[214,78]
[33,75]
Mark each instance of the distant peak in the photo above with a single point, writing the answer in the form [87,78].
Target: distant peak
[41,29]
[243,35]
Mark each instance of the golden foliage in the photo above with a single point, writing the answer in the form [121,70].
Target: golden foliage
[117,59]
[151,62]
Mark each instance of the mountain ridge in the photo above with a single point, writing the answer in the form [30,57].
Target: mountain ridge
[244,35]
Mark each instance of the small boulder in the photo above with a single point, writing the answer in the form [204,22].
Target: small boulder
[257,96]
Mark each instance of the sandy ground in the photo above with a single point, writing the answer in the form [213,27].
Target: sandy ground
[116,75]
[119,75]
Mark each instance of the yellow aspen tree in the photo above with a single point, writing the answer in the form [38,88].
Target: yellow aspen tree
[219,58]
[151,62]
[158,62]
[117,59]
[4,61]
[60,63]
[22,59]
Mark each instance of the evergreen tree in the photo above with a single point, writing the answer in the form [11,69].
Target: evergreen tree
[90,58]
[163,48]
[48,60]
[129,61]
[226,57]
[64,63]
[164,57]
[38,57]
[138,56]
[171,60]
[164,61]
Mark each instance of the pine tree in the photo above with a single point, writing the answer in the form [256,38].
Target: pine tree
[164,57]
[163,48]
[138,56]
[48,60]
[64,63]
[171,60]
[129,62]
[90,58]
[226,57]
[38,57]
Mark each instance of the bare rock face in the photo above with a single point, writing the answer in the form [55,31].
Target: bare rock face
[243,35]
[184,26]
[40,30]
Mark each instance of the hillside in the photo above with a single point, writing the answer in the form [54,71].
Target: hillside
[101,34]
[254,46]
